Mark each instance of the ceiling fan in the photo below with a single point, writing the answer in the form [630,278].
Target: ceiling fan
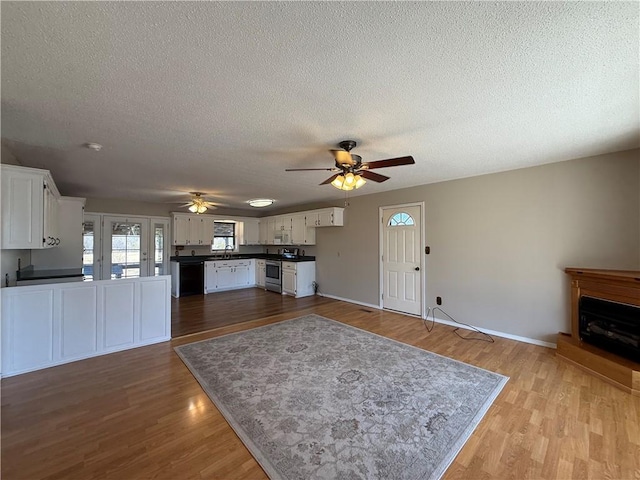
[352,171]
[198,204]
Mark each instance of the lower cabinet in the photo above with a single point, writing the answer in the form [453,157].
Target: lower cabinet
[298,278]
[261,271]
[228,275]
[47,325]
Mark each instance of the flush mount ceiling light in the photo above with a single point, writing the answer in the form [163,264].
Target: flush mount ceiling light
[96,147]
[260,202]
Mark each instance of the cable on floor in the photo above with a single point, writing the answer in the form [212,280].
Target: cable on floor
[432,311]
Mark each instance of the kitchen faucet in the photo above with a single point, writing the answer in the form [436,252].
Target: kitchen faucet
[224,255]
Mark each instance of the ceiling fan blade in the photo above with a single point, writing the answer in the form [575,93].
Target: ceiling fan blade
[376,177]
[389,162]
[342,157]
[306,169]
[330,179]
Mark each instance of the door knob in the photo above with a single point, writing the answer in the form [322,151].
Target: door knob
[417,269]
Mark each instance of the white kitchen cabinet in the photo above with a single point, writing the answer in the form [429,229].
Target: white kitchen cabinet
[180,229]
[327,217]
[229,275]
[197,231]
[263,231]
[29,208]
[261,271]
[289,279]
[298,278]
[68,254]
[249,231]
[298,229]
[271,230]
[192,230]
[209,276]
[309,232]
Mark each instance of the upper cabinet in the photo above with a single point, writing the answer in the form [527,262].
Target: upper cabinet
[327,217]
[29,208]
[192,229]
[298,228]
[248,231]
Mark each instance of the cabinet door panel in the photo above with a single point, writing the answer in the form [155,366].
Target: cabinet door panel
[22,210]
[79,322]
[180,230]
[289,281]
[225,277]
[241,276]
[118,314]
[210,278]
[152,310]
[28,337]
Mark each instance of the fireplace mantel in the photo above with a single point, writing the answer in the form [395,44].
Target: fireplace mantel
[621,286]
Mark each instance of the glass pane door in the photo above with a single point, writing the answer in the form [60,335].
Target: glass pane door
[159,247]
[91,247]
[126,247]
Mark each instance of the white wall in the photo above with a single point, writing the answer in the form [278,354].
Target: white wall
[499,243]
[7,157]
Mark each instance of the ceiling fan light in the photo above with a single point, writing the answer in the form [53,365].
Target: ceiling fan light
[193,208]
[359,181]
[349,179]
[201,209]
[338,182]
[347,188]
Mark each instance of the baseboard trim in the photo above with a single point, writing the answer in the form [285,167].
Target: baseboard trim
[510,336]
[348,300]
[85,357]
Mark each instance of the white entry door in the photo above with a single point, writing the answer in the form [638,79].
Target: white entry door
[402,259]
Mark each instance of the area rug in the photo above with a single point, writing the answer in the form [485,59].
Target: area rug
[313,398]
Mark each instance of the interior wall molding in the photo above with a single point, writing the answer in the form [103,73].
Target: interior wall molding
[518,338]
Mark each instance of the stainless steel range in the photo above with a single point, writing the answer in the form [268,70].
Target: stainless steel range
[273,275]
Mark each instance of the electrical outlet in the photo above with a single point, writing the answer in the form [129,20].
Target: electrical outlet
[439,300]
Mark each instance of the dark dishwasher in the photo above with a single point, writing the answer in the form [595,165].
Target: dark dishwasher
[191,278]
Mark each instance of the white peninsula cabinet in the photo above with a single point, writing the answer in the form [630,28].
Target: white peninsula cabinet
[223,275]
[298,278]
[29,208]
[47,325]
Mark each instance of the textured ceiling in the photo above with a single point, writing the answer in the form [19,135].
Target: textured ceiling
[221,97]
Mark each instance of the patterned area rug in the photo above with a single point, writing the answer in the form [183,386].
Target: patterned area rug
[314,398]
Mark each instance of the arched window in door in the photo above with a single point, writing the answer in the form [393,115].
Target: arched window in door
[401,219]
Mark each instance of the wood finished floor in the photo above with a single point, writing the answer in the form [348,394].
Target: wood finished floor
[140,413]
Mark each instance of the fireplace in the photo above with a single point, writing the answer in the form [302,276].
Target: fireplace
[613,326]
[605,326]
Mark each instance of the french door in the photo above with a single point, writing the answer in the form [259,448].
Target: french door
[125,246]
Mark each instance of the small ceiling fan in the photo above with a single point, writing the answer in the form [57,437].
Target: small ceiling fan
[352,171]
[198,204]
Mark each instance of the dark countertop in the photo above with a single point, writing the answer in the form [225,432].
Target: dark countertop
[261,256]
[29,273]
